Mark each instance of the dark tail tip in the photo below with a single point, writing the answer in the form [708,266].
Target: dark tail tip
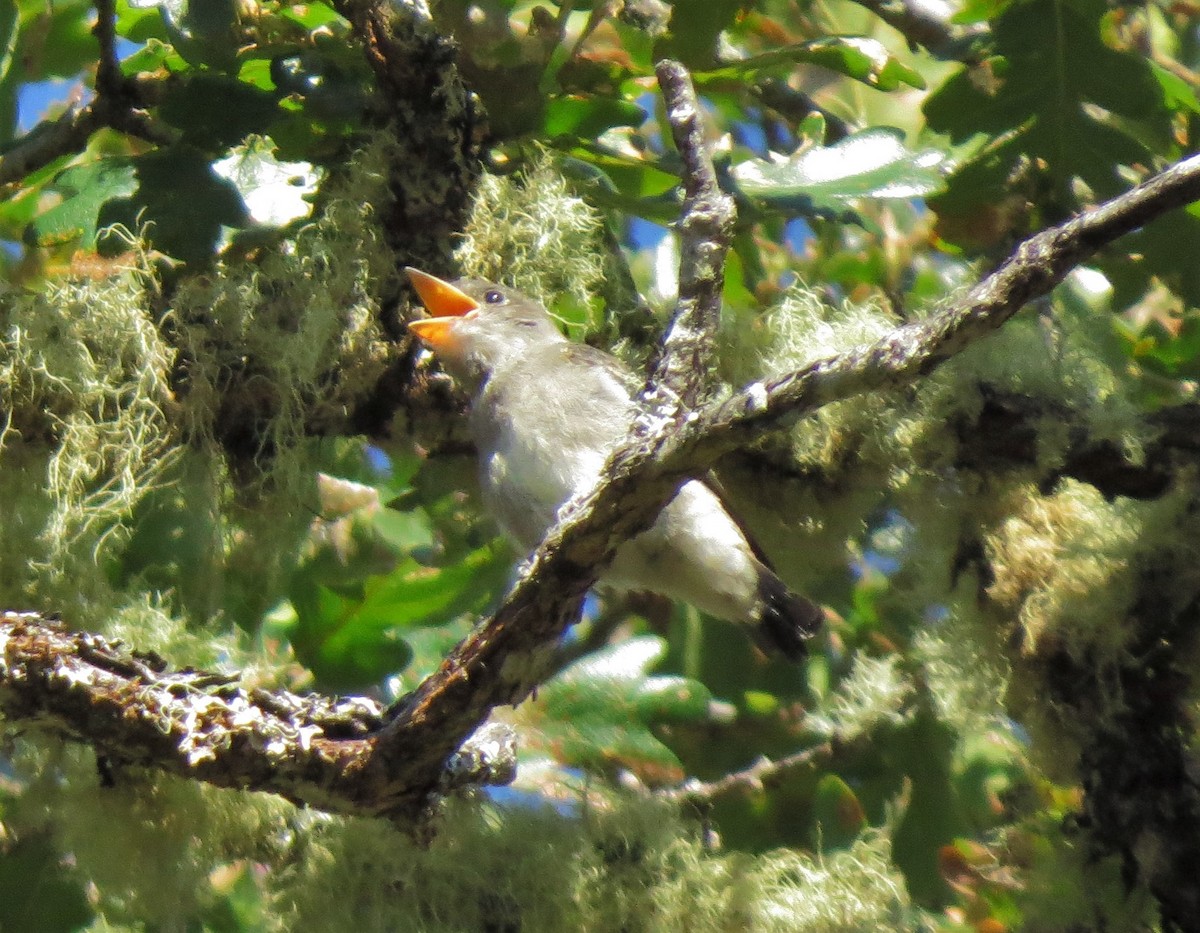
[786,621]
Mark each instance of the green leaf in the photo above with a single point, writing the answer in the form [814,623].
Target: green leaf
[353,635]
[1177,93]
[10,79]
[56,39]
[873,163]
[589,116]
[858,57]
[1173,353]
[312,16]
[37,891]
[201,31]
[416,594]
[1162,251]
[696,27]
[152,56]
[344,651]
[172,196]
[633,185]
[214,111]
[405,531]
[600,710]
[86,189]
[1095,109]
[838,816]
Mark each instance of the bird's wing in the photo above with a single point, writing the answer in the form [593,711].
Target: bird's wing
[717,488]
[580,354]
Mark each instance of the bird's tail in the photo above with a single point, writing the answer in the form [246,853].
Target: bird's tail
[785,620]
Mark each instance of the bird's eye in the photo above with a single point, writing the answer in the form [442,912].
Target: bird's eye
[494,297]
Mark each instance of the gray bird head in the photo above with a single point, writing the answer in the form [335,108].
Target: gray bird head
[478,325]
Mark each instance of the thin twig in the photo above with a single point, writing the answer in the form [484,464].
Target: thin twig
[762,775]
[928,24]
[49,141]
[109,81]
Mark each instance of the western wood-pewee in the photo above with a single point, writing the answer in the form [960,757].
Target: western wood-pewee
[545,415]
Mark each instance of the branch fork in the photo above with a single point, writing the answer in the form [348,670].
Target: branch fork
[345,758]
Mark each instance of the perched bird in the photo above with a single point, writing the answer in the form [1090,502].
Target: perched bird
[545,415]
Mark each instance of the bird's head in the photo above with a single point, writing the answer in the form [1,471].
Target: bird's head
[476,325]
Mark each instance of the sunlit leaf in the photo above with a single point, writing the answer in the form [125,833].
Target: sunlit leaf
[871,164]
[600,711]
[589,116]
[56,39]
[864,59]
[86,189]
[354,635]
[275,193]
[151,57]
[838,815]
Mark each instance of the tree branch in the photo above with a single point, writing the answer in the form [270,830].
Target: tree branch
[130,707]
[440,123]
[503,661]
[705,230]
[109,82]
[117,104]
[396,770]
[1035,267]
[927,23]
[761,775]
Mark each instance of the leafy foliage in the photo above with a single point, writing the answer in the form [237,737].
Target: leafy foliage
[202,451]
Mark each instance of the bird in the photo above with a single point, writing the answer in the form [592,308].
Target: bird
[545,414]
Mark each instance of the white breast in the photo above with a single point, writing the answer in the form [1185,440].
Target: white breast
[543,440]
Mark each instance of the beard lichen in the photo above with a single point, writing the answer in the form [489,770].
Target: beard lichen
[530,230]
[635,863]
[83,363]
[110,382]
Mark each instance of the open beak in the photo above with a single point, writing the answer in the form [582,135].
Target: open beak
[442,300]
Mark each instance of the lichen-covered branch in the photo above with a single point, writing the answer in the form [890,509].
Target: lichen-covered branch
[438,119]
[1035,267]
[1005,434]
[133,709]
[504,660]
[397,769]
[705,229]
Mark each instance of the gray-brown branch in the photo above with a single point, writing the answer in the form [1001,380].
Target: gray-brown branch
[505,659]
[134,710]
[705,228]
[928,23]
[397,769]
